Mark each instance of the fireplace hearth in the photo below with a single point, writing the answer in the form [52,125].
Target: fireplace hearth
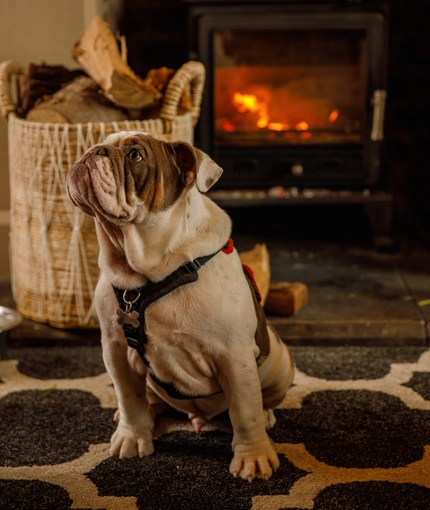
[294,103]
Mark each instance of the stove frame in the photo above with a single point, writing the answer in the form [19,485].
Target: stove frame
[351,166]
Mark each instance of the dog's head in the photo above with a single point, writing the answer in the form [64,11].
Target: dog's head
[132,174]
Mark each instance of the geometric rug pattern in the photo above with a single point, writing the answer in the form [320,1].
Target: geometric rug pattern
[353,432]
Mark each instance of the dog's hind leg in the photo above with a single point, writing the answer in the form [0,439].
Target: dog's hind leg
[270,418]
[276,373]
[157,405]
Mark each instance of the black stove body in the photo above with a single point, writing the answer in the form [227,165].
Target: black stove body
[295,91]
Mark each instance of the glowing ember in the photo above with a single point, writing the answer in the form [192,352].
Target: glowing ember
[306,135]
[263,121]
[275,126]
[278,126]
[333,115]
[228,127]
[302,126]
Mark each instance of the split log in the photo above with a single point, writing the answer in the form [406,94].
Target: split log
[78,102]
[42,80]
[97,52]
[258,260]
[286,299]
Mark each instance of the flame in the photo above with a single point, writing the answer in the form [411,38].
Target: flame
[245,102]
[333,115]
[250,103]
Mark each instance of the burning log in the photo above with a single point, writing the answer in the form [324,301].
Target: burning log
[98,54]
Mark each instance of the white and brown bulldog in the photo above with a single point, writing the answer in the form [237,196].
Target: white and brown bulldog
[179,321]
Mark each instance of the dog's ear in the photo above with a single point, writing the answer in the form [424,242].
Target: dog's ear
[196,166]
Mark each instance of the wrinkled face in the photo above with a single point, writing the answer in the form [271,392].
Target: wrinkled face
[132,174]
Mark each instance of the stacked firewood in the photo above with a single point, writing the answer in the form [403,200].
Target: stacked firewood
[104,89]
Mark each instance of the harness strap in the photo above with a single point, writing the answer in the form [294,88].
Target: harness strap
[138,300]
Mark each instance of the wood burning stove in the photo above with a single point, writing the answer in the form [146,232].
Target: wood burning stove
[295,93]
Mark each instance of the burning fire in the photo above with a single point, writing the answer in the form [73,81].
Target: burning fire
[245,102]
[250,103]
[256,111]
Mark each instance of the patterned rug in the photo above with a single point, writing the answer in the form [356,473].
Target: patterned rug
[352,433]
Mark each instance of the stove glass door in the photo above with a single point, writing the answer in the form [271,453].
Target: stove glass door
[289,87]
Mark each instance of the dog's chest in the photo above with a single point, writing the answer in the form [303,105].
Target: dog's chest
[178,354]
[181,335]
[178,334]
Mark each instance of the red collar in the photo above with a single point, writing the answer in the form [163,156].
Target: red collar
[229,247]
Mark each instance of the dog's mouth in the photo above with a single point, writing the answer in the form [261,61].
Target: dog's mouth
[94,187]
[80,188]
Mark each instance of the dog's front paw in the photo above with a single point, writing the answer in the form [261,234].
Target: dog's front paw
[129,442]
[257,460]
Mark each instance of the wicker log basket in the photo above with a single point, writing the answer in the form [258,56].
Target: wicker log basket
[53,245]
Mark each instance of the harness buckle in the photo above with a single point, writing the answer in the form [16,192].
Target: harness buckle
[132,342]
[192,267]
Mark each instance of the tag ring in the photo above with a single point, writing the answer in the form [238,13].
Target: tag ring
[129,304]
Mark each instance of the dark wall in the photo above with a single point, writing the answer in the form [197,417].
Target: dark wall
[407,118]
[156,32]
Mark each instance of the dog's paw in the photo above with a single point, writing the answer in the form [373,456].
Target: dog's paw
[257,460]
[128,442]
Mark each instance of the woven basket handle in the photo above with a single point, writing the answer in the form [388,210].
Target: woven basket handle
[192,72]
[8,69]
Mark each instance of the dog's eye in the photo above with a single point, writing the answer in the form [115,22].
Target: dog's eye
[134,155]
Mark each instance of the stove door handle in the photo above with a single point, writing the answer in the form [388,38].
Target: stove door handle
[378,102]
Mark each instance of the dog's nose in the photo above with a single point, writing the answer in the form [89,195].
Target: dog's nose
[96,151]
[101,151]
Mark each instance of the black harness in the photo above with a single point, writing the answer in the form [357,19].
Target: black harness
[133,304]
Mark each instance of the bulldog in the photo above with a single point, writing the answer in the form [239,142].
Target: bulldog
[179,319]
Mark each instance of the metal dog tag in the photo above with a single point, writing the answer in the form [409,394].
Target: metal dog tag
[128,318]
